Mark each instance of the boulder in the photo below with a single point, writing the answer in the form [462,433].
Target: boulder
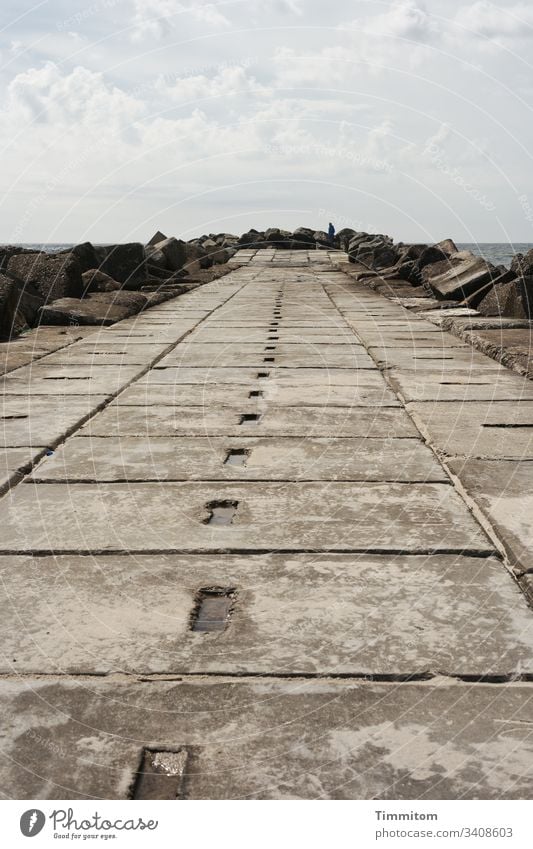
[103,308]
[430,256]
[221,256]
[197,257]
[172,252]
[304,235]
[7,251]
[522,264]
[157,237]
[320,237]
[447,246]
[125,263]
[250,237]
[53,275]
[384,256]
[97,281]
[513,299]
[85,254]
[19,306]
[458,276]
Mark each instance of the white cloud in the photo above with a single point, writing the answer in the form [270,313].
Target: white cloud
[484,19]
[80,99]
[157,18]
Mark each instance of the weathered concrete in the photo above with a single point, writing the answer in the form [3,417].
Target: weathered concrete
[268,739]
[295,482]
[303,421]
[133,614]
[147,517]
[265,458]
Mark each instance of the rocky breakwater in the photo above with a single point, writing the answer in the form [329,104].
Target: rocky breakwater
[101,284]
[441,271]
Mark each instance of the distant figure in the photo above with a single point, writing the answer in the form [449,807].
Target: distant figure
[331,233]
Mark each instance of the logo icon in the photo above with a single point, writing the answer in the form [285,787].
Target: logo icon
[32,822]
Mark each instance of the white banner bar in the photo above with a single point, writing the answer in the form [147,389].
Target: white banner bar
[274,824]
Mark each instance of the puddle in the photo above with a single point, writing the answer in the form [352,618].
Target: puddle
[221,513]
[161,775]
[213,609]
[237,457]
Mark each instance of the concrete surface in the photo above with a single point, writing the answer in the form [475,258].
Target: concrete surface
[375,573]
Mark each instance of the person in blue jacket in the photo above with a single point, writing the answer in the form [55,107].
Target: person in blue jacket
[331,232]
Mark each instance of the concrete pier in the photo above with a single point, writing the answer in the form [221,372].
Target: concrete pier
[279,527]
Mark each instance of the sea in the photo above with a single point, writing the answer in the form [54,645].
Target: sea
[499,253]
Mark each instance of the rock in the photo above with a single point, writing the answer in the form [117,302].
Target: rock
[384,257]
[53,275]
[250,237]
[154,271]
[97,281]
[447,246]
[85,254]
[157,237]
[103,308]
[197,257]
[172,251]
[125,263]
[458,276]
[320,237]
[19,306]
[221,256]
[304,235]
[522,264]
[7,251]
[513,299]
[430,256]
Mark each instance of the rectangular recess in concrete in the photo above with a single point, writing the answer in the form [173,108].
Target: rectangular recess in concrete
[161,775]
[212,609]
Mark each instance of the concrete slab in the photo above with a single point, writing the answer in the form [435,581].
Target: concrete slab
[461,386]
[189,458]
[293,614]
[14,462]
[258,376]
[208,335]
[382,422]
[293,356]
[278,392]
[267,739]
[503,490]
[410,518]
[26,422]
[68,379]
[443,359]
[496,430]
[125,354]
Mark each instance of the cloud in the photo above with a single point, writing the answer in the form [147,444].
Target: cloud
[156,19]
[484,19]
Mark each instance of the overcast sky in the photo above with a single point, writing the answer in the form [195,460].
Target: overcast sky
[120,117]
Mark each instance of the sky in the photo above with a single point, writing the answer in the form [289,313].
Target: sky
[122,117]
